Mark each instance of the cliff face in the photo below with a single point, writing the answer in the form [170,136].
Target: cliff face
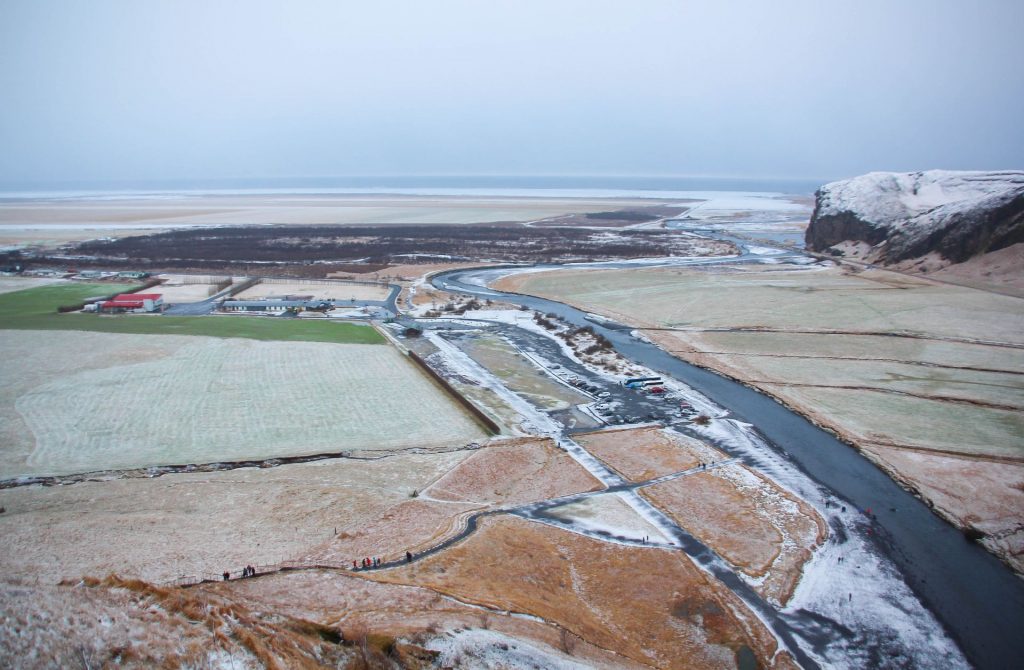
[902,216]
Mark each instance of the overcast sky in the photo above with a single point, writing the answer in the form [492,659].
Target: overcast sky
[819,89]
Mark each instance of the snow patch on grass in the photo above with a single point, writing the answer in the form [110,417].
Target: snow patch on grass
[489,649]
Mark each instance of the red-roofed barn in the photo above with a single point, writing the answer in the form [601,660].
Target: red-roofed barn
[133,302]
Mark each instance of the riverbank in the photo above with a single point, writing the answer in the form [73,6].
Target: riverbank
[924,379]
[979,601]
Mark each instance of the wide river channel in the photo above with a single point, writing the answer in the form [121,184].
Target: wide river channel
[975,596]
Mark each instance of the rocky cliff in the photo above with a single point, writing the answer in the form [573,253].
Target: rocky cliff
[889,217]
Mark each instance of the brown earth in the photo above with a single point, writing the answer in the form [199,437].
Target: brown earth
[1001,271]
[409,272]
[351,603]
[748,520]
[649,605]
[513,473]
[200,523]
[639,454]
[120,623]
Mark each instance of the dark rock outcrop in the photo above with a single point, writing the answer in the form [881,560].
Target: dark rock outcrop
[902,216]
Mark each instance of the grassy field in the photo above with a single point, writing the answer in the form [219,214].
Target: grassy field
[878,356]
[519,374]
[74,402]
[36,309]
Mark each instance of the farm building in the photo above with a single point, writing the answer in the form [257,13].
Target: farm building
[133,302]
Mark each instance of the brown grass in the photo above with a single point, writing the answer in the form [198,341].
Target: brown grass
[639,454]
[748,520]
[623,599]
[507,473]
[278,645]
[515,472]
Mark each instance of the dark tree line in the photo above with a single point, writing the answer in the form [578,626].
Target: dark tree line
[380,244]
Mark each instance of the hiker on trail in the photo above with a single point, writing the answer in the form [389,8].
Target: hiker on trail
[354,566]
[227,575]
[408,557]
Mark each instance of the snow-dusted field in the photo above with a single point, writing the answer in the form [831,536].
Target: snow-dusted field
[90,401]
[186,288]
[199,523]
[11,284]
[319,291]
[878,356]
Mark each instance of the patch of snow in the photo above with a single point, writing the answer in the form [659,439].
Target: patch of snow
[476,648]
[765,251]
[609,514]
[879,605]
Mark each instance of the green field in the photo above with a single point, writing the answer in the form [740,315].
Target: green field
[36,309]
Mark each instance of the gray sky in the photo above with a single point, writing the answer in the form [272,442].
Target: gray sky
[148,90]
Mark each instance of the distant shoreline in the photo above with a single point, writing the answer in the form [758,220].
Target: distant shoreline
[512,187]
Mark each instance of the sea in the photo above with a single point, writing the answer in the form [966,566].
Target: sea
[510,186]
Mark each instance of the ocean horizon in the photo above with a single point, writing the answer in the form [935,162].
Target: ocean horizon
[454,185]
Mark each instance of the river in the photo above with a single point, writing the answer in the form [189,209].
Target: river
[978,600]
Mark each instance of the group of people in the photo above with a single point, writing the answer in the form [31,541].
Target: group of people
[376,562]
[247,571]
[367,563]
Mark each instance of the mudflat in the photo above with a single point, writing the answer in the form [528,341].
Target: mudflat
[61,220]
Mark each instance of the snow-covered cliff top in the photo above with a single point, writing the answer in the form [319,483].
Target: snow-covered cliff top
[893,198]
[957,214]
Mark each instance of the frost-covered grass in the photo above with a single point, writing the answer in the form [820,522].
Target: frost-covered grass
[811,336]
[11,284]
[517,373]
[36,309]
[162,528]
[86,401]
[337,290]
[785,298]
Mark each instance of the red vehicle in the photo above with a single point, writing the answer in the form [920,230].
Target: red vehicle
[657,389]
